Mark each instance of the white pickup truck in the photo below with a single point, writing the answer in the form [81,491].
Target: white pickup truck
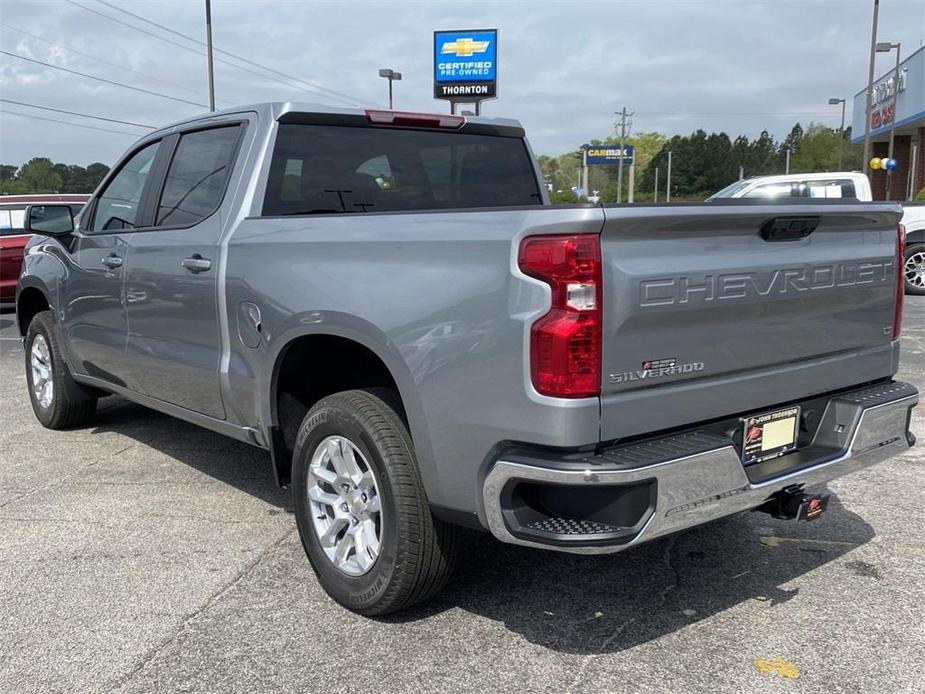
[844,184]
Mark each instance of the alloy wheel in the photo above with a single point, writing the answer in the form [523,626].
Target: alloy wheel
[914,270]
[43,384]
[345,505]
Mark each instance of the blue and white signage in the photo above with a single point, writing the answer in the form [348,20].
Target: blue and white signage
[466,65]
[608,155]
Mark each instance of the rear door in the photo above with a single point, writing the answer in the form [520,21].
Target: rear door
[171,283]
[709,313]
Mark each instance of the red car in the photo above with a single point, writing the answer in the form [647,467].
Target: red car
[13,240]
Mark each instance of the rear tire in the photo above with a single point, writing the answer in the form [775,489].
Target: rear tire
[914,269]
[406,555]
[58,401]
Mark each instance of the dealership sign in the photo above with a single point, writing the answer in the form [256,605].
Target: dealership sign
[898,98]
[608,155]
[466,65]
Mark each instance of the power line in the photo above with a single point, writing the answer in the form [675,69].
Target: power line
[76,113]
[64,122]
[314,85]
[67,47]
[132,26]
[193,50]
[101,79]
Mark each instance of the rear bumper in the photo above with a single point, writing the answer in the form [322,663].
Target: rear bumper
[684,480]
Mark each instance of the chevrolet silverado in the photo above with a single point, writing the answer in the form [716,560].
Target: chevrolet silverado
[387,304]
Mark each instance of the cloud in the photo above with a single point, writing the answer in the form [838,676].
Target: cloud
[564,67]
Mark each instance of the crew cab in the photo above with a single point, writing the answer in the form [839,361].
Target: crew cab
[13,238]
[845,185]
[388,305]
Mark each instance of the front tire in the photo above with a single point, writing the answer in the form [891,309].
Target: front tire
[914,269]
[360,506]
[58,401]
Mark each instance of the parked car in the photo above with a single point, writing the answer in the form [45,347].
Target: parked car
[13,238]
[387,304]
[846,185]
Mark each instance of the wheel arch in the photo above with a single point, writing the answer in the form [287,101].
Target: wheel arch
[31,299]
[313,363]
[915,236]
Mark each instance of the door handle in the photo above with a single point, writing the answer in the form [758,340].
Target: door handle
[196,263]
[112,261]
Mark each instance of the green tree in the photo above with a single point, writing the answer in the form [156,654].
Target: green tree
[38,175]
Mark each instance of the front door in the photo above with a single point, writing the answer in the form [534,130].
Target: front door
[92,303]
[171,282]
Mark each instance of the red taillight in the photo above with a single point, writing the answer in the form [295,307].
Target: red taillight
[405,119]
[565,344]
[900,283]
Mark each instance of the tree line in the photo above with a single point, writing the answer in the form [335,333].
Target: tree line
[704,163]
[42,175]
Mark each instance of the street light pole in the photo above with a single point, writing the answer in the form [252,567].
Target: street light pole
[870,82]
[209,54]
[841,130]
[391,76]
[886,48]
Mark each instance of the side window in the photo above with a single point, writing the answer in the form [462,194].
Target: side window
[197,176]
[774,190]
[840,188]
[118,206]
[11,220]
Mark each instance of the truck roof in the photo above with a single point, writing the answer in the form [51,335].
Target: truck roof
[276,109]
[826,175]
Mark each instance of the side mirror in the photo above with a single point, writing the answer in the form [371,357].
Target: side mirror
[49,220]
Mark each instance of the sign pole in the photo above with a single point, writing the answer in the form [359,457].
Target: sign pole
[668,182]
[584,171]
[632,191]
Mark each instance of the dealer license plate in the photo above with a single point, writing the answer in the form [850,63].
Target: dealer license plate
[770,435]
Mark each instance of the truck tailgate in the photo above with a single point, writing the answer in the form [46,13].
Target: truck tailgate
[708,314]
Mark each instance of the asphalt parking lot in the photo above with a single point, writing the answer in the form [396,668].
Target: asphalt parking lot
[143,554]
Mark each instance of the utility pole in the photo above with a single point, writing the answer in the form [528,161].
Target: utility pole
[655,191]
[209,54]
[623,116]
[870,82]
[787,162]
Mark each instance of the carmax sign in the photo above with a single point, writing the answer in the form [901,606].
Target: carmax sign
[607,155]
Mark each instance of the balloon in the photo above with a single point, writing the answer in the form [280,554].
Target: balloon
[875,163]
[890,164]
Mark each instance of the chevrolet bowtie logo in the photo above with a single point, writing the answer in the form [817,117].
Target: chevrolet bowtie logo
[465,48]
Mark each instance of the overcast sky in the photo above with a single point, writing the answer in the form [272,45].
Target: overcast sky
[565,67]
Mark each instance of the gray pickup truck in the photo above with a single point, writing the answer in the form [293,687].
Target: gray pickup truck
[387,303]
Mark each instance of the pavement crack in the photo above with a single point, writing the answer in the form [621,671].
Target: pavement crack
[216,595]
[64,479]
[660,600]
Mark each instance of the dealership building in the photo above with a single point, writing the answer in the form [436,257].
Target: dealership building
[909,114]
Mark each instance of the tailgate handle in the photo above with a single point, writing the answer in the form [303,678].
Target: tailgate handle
[788,228]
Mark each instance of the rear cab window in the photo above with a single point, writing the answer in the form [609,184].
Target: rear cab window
[328,169]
